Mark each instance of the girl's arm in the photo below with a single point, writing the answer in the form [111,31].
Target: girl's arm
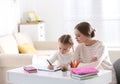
[52,60]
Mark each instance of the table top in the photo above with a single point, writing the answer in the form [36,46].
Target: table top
[17,75]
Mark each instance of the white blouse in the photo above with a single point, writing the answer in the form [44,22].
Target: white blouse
[86,53]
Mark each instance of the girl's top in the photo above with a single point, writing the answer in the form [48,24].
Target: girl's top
[99,50]
[62,58]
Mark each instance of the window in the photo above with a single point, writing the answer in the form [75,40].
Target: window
[103,15]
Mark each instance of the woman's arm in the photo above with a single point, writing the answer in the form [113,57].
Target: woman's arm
[92,64]
[102,55]
[76,55]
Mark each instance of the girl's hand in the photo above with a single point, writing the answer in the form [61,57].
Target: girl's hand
[63,66]
[50,67]
[94,59]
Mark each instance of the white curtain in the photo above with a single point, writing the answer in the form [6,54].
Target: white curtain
[103,15]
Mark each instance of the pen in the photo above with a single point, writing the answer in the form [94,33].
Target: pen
[49,62]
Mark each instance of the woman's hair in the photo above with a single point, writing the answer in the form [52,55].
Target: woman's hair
[86,29]
[66,39]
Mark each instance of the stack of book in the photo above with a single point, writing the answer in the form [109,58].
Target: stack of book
[84,73]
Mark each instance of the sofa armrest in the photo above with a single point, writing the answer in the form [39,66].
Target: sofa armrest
[11,61]
[15,60]
[45,45]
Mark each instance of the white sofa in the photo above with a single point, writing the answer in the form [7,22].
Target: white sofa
[114,54]
[11,58]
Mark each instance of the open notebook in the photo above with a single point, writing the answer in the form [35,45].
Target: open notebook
[42,68]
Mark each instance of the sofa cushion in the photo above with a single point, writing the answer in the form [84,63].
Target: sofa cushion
[22,38]
[27,48]
[8,44]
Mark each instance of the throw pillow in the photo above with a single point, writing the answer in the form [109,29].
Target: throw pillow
[27,48]
[8,44]
[22,38]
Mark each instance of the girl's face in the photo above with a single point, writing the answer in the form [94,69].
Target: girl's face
[80,37]
[64,48]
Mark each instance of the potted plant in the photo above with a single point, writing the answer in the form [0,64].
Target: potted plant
[64,71]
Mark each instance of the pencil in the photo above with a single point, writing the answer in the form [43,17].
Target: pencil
[49,62]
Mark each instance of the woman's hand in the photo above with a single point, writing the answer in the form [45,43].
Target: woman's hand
[94,59]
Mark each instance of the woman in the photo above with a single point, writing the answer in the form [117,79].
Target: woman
[91,52]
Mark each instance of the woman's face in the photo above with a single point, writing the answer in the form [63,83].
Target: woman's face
[80,38]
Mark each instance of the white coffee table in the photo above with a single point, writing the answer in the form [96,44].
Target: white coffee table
[19,76]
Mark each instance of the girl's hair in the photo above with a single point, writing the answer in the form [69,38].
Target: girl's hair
[86,29]
[66,39]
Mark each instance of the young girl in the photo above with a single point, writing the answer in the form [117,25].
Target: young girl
[91,52]
[63,56]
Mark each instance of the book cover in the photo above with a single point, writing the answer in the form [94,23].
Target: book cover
[30,69]
[84,77]
[83,71]
[77,75]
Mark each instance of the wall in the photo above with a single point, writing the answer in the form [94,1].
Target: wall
[62,16]
[52,12]
[9,16]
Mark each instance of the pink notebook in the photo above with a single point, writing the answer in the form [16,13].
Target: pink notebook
[85,71]
[30,69]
